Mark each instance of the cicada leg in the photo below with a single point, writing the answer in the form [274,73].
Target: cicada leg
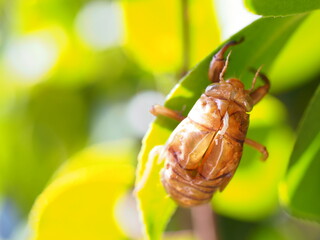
[154,155]
[256,96]
[262,149]
[217,64]
[158,110]
[260,92]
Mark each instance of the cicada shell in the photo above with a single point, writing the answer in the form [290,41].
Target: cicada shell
[204,151]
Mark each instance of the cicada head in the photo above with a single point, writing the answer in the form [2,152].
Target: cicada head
[232,89]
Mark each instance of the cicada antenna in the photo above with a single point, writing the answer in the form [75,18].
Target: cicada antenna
[257,74]
[224,67]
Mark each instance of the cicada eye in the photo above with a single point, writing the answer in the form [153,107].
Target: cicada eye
[212,87]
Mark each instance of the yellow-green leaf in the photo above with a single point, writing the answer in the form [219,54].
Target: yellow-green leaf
[299,60]
[263,41]
[79,202]
[281,7]
[300,190]
[154,203]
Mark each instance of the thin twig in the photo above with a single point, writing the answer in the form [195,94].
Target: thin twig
[185,38]
[204,222]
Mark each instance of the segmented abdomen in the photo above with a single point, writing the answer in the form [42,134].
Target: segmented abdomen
[204,151]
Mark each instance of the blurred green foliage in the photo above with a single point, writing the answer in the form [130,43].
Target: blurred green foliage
[298,190]
[69,71]
[282,7]
[88,185]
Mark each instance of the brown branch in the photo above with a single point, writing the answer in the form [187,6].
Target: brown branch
[204,222]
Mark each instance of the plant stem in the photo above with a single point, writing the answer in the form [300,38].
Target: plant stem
[204,222]
[185,37]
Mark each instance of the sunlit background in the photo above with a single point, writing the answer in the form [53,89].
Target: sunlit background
[77,80]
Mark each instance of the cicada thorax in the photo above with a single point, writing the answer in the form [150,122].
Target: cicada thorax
[204,150]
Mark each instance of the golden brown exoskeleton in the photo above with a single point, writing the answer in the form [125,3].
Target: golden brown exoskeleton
[203,152]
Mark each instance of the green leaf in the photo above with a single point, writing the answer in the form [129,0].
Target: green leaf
[281,7]
[154,203]
[300,190]
[264,39]
[79,202]
[299,60]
